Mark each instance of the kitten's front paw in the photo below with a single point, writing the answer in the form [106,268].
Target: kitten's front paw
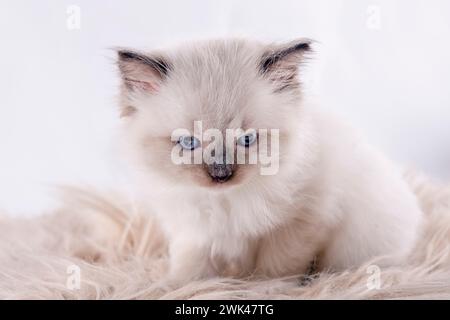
[187,264]
[180,276]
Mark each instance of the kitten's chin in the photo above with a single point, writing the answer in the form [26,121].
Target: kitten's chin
[232,183]
[218,186]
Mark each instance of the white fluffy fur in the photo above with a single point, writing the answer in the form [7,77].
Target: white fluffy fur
[335,200]
[123,255]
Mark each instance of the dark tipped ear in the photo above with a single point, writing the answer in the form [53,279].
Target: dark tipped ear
[280,63]
[140,71]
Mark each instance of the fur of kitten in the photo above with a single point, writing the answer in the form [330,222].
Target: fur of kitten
[334,198]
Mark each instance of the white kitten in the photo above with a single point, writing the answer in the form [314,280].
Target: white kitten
[333,198]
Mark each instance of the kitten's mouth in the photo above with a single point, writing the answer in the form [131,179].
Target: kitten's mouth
[221,179]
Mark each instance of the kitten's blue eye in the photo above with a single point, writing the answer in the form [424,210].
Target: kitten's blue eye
[189,142]
[247,139]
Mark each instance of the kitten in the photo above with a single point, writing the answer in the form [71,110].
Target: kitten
[330,197]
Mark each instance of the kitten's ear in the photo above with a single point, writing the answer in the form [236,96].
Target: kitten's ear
[280,63]
[141,71]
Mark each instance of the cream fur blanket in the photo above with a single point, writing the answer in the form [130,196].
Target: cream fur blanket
[119,253]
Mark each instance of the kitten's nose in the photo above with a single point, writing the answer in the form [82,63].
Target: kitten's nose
[220,172]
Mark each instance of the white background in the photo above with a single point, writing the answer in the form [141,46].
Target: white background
[384,65]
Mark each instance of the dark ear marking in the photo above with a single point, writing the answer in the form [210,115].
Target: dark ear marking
[141,72]
[157,63]
[280,63]
[275,56]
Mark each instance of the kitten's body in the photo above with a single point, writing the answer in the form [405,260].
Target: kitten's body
[334,198]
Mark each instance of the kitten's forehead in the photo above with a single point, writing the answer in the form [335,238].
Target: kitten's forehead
[216,61]
[228,83]
[215,79]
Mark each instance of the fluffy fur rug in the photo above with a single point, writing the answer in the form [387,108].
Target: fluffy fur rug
[121,254]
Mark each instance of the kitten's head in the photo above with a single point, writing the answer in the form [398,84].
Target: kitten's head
[177,103]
